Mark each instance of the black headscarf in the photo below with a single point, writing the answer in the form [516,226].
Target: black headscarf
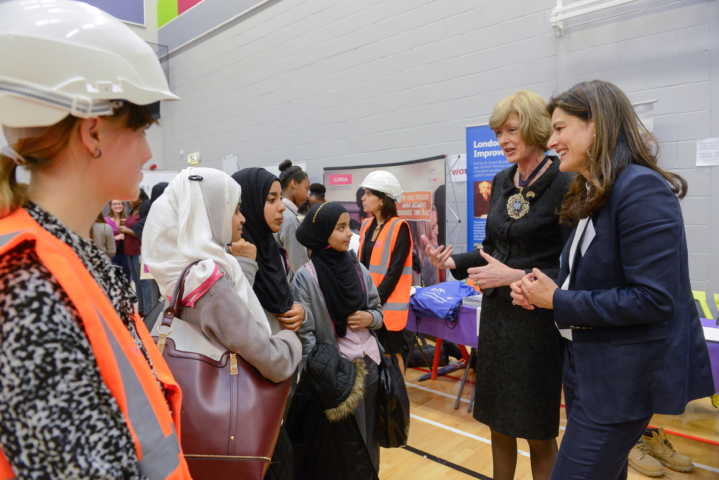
[139,227]
[337,273]
[271,285]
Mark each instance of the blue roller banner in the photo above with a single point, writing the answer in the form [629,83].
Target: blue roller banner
[484,160]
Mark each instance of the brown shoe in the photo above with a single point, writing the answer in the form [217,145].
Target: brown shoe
[660,448]
[641,461]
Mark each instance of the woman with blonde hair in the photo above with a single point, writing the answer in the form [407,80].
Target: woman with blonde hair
[519,356]
[84,392]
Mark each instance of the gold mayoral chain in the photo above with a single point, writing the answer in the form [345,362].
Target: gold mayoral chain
[517,205]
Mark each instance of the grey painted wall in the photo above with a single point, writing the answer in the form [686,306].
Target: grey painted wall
[347,82]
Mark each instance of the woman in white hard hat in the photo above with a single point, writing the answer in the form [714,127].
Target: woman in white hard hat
[83,392]
[386,251]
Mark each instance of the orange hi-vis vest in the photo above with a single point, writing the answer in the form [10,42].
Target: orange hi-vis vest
[123,367]
[397,305]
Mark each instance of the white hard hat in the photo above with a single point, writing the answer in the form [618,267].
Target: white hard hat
[385,182]
[61,57]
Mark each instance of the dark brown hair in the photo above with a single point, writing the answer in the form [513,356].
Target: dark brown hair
[318,190]
[40,150]
[389,207]
[289,172]
[618,143]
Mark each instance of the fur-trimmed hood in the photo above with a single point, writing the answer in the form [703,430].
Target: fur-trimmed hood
[335,381]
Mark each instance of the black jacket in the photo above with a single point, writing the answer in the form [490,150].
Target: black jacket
[326,440]
[535,240]
[642,351]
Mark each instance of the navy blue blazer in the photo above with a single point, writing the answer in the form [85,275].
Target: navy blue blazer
[644,351]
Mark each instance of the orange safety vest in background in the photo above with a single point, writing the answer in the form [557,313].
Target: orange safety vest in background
[397,306]
[123,367]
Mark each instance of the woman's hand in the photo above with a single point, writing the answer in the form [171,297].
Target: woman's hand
[292,319]
[243,248]
[360,319]
[518,296]
[494,274]
[439,257]
[119,237]
[538,289]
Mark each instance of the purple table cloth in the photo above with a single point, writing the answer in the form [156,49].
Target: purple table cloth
[465,332]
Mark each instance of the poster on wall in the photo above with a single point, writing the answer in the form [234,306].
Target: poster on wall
[423,204]
[484,160]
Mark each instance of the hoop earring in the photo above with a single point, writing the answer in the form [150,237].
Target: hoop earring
[97,153]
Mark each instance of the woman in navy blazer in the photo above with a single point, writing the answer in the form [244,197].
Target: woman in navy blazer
[623,290]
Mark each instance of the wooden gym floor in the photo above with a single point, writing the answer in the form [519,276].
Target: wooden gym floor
[445,443]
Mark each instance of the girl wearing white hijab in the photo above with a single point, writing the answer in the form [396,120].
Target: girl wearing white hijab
[196,217]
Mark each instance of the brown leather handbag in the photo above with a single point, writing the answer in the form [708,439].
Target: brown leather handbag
[231,415]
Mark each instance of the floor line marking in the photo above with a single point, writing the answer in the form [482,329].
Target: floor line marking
[489,442]
[460,432]
[446,463]
[453,397]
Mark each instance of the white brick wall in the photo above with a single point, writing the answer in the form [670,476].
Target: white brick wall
[345,82]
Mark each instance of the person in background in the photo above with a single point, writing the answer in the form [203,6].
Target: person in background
[633,342]
[519,354]
[263,209]
[317,193]
[157,190]
[75,359]
[302,210]
[103,236]
[386,252]
[133,246]
[116,219]
[295,185]
[358,200]
[343,307]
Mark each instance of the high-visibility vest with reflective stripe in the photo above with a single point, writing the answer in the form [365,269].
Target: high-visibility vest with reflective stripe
[122,365]
[397,305]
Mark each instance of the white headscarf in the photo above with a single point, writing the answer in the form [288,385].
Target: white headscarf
[190,221]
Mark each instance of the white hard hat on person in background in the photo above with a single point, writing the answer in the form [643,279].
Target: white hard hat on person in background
[60,57]
[385,182]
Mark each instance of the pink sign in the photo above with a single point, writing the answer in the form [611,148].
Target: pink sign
[345,179]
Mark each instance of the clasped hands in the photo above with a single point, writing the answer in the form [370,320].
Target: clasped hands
[534,290]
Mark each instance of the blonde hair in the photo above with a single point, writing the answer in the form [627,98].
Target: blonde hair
[535,124]
[40,150]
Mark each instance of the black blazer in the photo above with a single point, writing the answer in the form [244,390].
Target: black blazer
[645,351]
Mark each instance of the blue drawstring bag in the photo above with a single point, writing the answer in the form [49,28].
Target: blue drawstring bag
[441,301]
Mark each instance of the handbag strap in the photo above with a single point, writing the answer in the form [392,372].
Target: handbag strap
[174,308]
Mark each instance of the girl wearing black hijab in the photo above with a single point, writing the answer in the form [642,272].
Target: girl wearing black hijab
[342,307]
[263,210]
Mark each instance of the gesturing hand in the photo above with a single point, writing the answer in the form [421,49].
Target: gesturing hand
[439,257]
[243,248]
[539,291]
[292,318]
[494,274]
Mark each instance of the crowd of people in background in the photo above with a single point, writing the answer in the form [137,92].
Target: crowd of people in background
[580,299]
